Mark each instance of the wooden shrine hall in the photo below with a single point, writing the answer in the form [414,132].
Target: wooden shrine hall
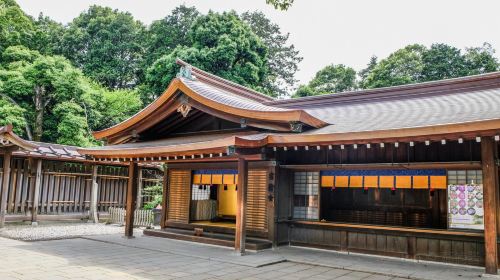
[408,171]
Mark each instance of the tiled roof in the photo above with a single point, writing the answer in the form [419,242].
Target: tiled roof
[55,151]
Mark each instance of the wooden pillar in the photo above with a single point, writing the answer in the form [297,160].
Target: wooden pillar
[164,202]
[488,150]
[36,192]
[5,184]
[241,201]
[131,199]
[94,194]
[139,189]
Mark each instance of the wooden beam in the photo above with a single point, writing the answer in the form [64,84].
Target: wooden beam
[36,192]
[404,166]
[490,185]
[164,198]
[93,196]
[5,185]
[133,171]
[140,184]
[241,201]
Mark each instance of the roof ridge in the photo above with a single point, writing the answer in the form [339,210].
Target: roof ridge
[226,84]
[415,89]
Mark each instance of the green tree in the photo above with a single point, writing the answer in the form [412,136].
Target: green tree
[72,127]
[58,102]
[37,83]
[11,113]
[363,73]
[118,106]
[303,91]
[164,35]
[331,79]
[283,58]
[280,4]
[48,35]
[404,66]
[480,60]
[107,45]
[442,61]
[16,28]
[220,44]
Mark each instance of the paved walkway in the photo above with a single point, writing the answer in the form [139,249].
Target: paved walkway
[113,257]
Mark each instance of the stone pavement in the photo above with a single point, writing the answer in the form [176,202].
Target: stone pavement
[113,257]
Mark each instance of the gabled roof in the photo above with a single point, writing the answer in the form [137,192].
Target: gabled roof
[216,96]
[466,108]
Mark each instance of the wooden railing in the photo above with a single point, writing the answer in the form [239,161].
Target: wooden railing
[144,218]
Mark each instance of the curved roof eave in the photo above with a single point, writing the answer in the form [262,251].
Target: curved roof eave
[445,131]
[284,116]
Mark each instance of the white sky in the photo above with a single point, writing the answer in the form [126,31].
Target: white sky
[331,31]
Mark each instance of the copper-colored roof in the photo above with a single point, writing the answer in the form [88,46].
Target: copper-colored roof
[180,145]
[464,107]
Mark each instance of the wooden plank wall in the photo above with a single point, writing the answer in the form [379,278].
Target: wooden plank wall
[66,186]
[442,248]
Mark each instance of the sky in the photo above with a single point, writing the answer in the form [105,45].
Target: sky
[330,31]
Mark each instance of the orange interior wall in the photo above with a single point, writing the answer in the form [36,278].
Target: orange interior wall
[227,200]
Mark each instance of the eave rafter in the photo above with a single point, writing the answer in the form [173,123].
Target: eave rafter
[224,148]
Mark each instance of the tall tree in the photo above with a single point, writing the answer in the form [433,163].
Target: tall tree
[56,100]
[48,35]
[480,60]
[442,61]
[403,66]
[16,28]
[363,73]
[283,58]
[107,45]
[331,79]
[219,43]
[164,35]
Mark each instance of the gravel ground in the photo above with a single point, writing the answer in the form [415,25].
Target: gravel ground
[57,231]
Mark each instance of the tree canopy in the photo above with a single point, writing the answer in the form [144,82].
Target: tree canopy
[411,64]
[282,58]
[220,44]
[107,45]
[331,79]
[164,35]
[52,99]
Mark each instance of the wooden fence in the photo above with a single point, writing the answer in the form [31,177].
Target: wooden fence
[66,187]
[144,218]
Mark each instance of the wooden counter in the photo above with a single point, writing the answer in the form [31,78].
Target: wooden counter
[463,247]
